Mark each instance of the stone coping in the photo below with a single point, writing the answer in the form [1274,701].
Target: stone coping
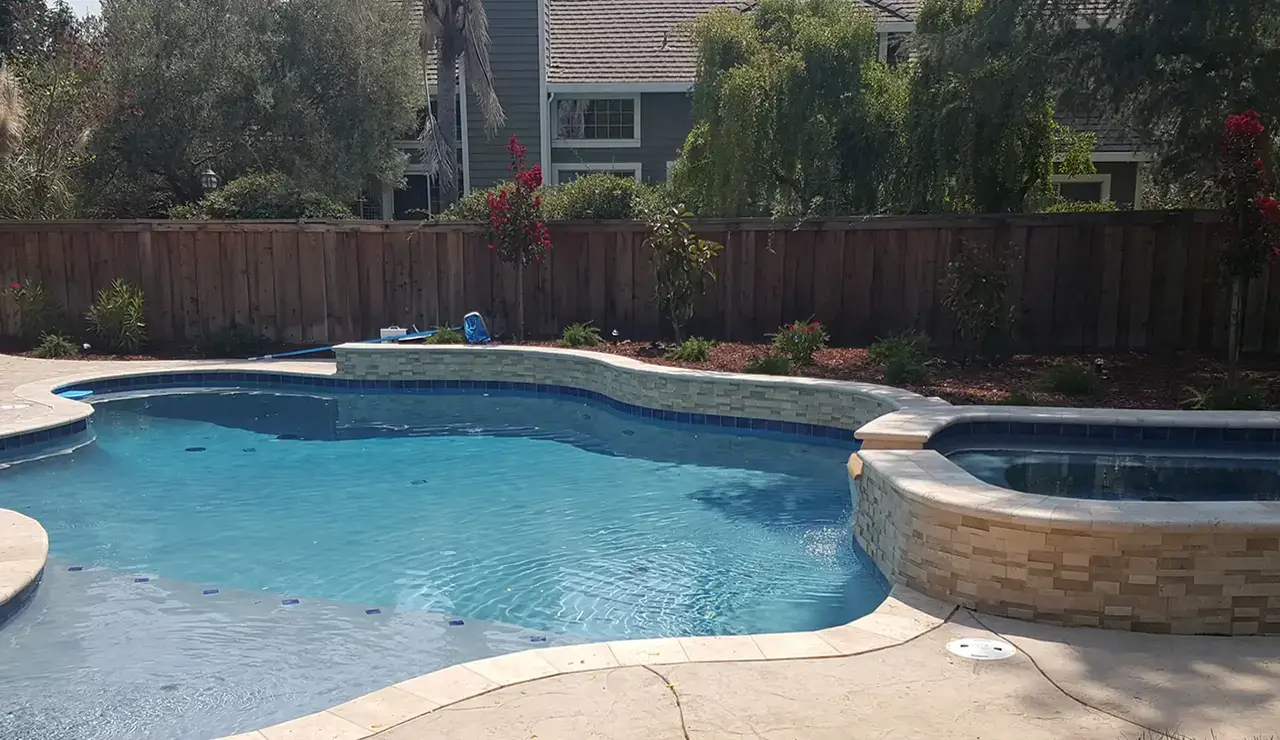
[913,426]
[930,478]
[903,616]
[24,548]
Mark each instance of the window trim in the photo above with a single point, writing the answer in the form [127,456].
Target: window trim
[671,165]
[1104,179]
[558,167]
[558,143]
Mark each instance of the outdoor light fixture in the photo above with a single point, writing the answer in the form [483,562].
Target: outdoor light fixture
[209,179]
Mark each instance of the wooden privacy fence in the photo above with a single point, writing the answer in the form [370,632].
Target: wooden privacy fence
[1113,281]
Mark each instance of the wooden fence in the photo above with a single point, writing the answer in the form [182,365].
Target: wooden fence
[1116,281]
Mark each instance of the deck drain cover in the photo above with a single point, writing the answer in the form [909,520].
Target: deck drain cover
[981,648]
[13,406]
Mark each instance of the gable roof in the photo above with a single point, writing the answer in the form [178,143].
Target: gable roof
[640,41]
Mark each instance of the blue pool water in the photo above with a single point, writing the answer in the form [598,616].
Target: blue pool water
[413,532]
[1127,475]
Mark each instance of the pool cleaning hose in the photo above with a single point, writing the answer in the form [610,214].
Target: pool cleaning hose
[474,336]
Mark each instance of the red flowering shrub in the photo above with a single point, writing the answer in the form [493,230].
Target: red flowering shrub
[517,233]
[1253,215]
[800,341]
[38,312]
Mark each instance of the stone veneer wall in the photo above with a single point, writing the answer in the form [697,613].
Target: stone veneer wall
[801,400]
[1196,575]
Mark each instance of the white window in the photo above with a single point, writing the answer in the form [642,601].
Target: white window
[570,171]
[670,166]
[1083,188]
[596,121]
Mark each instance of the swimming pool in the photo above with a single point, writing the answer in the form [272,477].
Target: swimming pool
[223,560]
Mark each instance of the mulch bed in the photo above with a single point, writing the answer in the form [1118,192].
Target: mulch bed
[1131,380]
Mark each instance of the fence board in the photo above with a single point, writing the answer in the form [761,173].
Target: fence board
[262,283]
[311,289]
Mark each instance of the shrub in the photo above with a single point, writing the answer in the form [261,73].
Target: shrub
[518,234]
[599,196]
[1226,397]
[235,341]
[974,289]
[56,347]
[771,364]
[116,317]
[681,264]
[800,341]
[38,313]
[1081,206]
[693,349]
[474,206]
[580,335]
[1071,379]
[445,335]
[903,357]
[1019,397]
[263,195]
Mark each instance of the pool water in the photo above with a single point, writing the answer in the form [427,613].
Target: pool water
[532,520]
[1129,475]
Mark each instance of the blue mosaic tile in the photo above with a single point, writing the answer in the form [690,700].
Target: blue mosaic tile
[210,591]
[1155,434]
[372,611]
[456,623]
[289,602]
[75,569]
[1128,434]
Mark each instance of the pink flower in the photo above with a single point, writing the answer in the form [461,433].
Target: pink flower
[15,286]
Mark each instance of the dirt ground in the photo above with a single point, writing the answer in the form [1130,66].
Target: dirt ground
[1130,380]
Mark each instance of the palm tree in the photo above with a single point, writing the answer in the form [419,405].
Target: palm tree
[453,30]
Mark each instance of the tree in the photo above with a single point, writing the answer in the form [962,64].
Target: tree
[58,109]
[517,232]
[453,30]
[30,28]
[1251,214]
[317,90]
[981,128]
[1176,69]
[794,114]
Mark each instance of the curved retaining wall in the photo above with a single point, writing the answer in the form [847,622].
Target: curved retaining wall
[826,403]
[1198,567]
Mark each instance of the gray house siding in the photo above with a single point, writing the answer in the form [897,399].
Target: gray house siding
[665,120]
[1124,180]
[514,32]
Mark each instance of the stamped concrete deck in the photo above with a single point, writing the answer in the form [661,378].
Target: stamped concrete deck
[1066,683]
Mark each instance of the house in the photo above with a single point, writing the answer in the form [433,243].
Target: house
[602,86]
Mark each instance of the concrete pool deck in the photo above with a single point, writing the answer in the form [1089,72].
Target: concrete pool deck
[886,678]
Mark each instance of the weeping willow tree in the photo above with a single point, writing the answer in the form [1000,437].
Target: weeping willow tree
[981,129]
[454,30]
[794,114]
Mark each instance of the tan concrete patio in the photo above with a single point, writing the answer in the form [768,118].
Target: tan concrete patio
[1065,683]
[1095,684]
